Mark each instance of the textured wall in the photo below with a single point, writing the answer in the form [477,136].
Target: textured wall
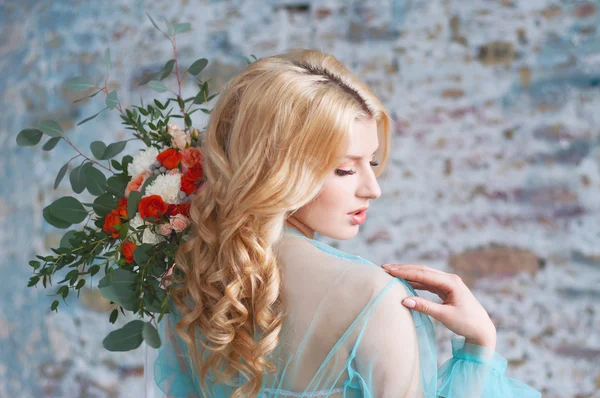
[495,171]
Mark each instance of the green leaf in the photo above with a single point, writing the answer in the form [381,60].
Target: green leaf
[170,27]
[64,241]
[117,184]
[80,284]
[51,143]
[157,86]
[154,23]
[128,338]
[116,165]
[182,27]
[132,203]
[68,209]
[29,137]
[198,66]
[167,69]
[150,335]
[54,305]
[50,127]
[141,254]
[94,269]
[113,316]
[107,58]
[152,76]
[77,177]
[114,149]
[98,148]
[33,281]
[112,100]
[104,204]
[147,183]
[89,96]
[121,289]
[80,83]
[61,174]
[95,181]
[55,222]
[91,117]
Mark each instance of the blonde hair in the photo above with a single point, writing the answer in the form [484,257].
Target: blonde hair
[278,128]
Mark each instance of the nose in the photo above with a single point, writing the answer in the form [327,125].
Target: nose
[369,187]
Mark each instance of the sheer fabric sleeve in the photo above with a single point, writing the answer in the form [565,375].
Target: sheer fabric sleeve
[172,370]
[396,357]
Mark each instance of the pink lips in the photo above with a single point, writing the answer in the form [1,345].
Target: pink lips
[358,218]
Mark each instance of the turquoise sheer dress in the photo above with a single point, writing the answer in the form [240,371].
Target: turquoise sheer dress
[345,334]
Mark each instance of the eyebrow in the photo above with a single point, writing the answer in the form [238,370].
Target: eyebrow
[354,157]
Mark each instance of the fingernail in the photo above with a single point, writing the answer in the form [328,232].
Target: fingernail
[410,303]
[386,266]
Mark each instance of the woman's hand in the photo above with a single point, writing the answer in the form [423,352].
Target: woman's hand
[460,311]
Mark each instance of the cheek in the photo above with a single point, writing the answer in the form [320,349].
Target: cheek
[333,197]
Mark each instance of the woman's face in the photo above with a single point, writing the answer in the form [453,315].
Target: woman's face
[347,189]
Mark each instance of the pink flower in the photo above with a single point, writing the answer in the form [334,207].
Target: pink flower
[136,182]
[180,139]
[179,222]
[173,171]
[165,229]
[163,283]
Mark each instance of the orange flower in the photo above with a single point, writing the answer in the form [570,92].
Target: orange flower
[152,206]
[122,208]
[111,220]
[183,208]
[189,181]
[169,158]
[136,182]
[127,250]
[192,160]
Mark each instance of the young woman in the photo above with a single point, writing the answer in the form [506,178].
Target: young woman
[293,148]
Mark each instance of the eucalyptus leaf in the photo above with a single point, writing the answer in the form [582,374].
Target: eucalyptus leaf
[91,117]
[117,184]
[104,204]
[64,241]
[68,209]
[114,149]
[77,178]
[120,289]
[29,137]
[132,203]
[170,27]
[128,338]
[50,127]
[95,181]
[51,143]
[182,27]
[61,174]
[112,100]
[98,148]
[141,253]
[148,181]
[157,86]
[150,335]
[154,23]
[80,83]
[107,58]
[55,222]
[198,66]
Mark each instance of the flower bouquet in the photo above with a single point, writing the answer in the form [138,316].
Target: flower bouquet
[141,212]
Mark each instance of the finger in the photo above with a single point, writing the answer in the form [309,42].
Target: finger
[427,307]
[443,282]
[389,267]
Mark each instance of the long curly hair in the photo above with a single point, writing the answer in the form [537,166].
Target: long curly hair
[277,129]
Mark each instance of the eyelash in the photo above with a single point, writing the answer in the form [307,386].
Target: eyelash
[350,172]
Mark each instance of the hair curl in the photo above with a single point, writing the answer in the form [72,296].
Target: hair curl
[277,129]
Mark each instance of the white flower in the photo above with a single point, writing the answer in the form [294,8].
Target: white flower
[148,236]
[167,186]
[142,161]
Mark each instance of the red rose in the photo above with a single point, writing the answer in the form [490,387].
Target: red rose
[122,207]
[184,209]
[152,206]
[189,181]
[112,219]
[192,160]
[127,251]
[169,158]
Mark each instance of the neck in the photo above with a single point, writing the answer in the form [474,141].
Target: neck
[300,227]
